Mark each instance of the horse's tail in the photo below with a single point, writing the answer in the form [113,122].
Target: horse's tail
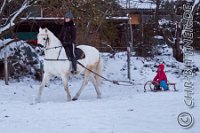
[99,70]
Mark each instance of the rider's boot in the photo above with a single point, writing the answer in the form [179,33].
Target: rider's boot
[74,66]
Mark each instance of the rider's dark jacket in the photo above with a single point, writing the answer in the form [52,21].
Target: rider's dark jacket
[68,34]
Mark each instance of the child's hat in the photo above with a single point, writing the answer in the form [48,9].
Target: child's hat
[69,15]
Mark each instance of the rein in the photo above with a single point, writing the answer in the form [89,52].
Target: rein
[124,83]
[56,59]
[58,55]
[128,83]
[46,43]
[54,47]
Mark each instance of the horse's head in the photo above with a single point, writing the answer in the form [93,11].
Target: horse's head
[43,37]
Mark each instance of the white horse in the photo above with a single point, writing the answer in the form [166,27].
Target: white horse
[56,63]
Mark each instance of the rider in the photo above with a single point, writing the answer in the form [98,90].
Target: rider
[68,38]
[161,78]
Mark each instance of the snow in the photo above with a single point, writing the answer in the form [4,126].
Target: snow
[12,46]
[143,4]
[138,4]
[122,109]
[158,37]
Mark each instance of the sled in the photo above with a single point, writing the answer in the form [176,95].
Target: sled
[151,85]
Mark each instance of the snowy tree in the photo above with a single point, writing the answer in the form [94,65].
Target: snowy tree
[172,29]
[21,56]
[10,11]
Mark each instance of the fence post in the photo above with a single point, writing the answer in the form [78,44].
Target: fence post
[129,62]
[130,46]
[5,65]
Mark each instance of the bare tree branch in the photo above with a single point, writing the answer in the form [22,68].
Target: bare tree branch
[3,6]
[11,19]
[195,5]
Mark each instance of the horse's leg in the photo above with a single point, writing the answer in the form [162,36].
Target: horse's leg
[94,82]
[44,82]
[65,82]
[84,83]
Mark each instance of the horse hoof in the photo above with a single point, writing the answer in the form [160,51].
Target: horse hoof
[74,99]
[37,100]
[69,100]
[98,97]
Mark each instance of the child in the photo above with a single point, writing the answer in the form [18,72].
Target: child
[161,78]
[68,38]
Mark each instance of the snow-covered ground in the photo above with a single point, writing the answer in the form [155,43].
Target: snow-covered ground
[122,109]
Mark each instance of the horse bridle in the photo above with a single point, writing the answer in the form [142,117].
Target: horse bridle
[47,42]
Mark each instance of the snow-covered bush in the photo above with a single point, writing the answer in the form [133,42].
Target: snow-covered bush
[23,59]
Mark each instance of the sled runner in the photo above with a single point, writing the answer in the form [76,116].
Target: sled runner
[152,85]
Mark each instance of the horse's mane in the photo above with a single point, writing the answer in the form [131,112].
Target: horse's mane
[52,35]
